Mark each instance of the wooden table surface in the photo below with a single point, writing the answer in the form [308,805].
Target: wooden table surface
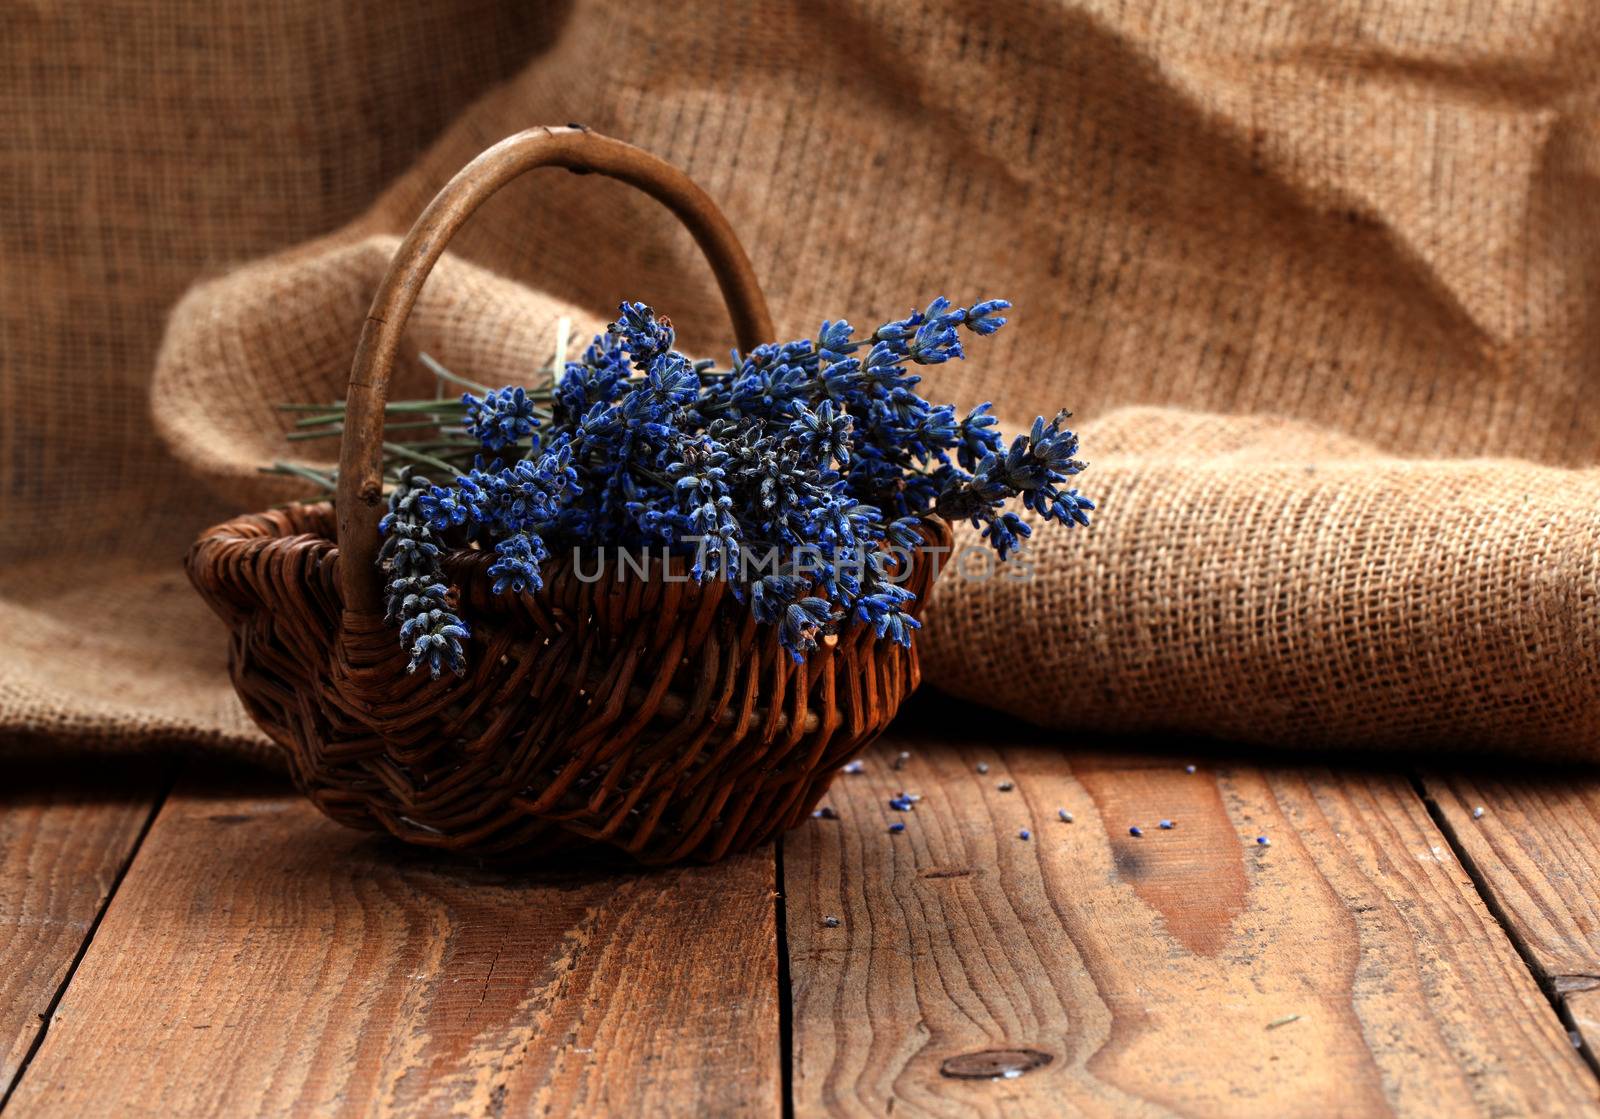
[181,937]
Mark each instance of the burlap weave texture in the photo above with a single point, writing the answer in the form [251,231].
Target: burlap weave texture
[1321,281]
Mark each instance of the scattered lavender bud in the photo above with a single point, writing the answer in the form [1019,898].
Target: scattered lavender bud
[1024,834]
[983,767]
[1263,841]
[1066,817]
[856,766]
[830,922]
[1188,769]
[1005,786]
[1477,813]
[901,758]
[1136,831]
[1167,825]
[826,812]
[897,827]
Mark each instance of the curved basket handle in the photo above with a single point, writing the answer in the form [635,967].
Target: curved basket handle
[360,493]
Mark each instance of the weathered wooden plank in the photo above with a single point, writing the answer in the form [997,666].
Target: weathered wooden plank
[262,960]
[1536,849]
[1583,1004]
[1348,968]
[66,832]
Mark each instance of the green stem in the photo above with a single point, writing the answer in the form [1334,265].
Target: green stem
[453,408]
[417,456]
[297,471]
[452,445]
[444,374]
[339,429]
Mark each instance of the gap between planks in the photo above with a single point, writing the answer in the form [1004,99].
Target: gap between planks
[785,985]
[1534,854]
[68,835]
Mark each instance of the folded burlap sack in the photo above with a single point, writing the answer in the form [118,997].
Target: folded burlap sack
[1321,290]
[1264,581]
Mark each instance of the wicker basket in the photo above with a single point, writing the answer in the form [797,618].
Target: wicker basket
[648,713]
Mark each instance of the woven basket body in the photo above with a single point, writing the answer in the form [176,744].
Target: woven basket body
[646,712]
[652,714]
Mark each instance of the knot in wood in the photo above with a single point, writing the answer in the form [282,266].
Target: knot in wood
[994,1064]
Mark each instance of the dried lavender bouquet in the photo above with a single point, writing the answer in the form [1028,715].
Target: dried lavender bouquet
[799,474]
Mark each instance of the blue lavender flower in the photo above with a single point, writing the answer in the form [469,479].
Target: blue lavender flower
[817,459]
[434,638]
[771,595]
[516,567]
[415,593]
[1032,467]
[446,507]
[935,340]
[501,418]
[802,622]
[899,331]
[599,378]
[985,318]
[977,436]
[834,343]
[507,500]
[823,436]
[884,611]
[773,383]
[644,334]
[1006,533]
[905,532]
[700,486]
[884,368]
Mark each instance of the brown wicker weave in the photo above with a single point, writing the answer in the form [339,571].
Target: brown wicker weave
[652,714]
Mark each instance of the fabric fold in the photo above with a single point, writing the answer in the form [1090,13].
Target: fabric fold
[1260,581]
[1322,291]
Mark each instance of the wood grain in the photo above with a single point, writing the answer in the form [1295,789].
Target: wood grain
[261,960]
[1132,976]
[1536,850]
[1583,1004]
[65,834]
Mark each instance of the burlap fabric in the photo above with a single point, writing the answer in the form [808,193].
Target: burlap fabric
[1320,279]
